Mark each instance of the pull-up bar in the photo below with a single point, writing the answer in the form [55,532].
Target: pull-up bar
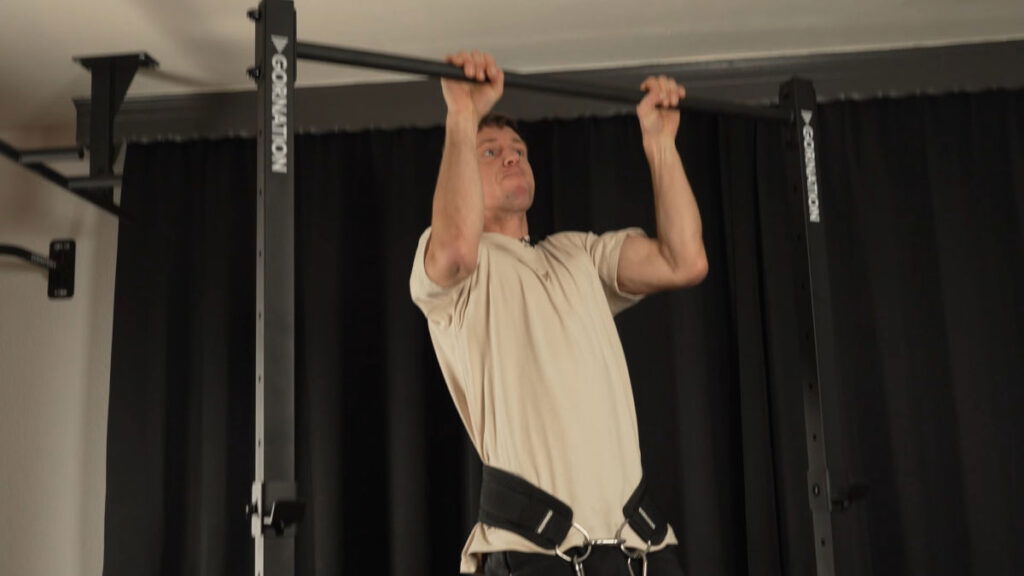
[381,61]
[28,256]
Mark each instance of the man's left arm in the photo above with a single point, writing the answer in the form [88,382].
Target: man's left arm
[675,258]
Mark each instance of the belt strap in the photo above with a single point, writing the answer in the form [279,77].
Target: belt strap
[507,501]
[510,502]
[643,517]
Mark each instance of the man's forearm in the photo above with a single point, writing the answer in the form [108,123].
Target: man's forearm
[680,236]
[458,213]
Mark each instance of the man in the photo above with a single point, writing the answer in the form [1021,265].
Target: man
[528,346]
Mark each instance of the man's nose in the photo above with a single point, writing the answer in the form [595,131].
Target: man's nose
[511,158]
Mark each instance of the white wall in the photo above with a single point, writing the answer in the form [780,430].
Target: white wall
[54,377]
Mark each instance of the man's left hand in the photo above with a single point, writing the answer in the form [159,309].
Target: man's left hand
[657,111]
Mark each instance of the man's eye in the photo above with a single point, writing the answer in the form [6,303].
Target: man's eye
[488,153]
[521,153]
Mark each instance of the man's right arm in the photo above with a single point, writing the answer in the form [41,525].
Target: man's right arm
[457,219]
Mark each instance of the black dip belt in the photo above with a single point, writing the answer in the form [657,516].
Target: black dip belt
[511,503]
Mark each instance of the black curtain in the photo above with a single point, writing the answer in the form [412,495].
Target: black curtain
[927,254]
[180,424]
[923,200]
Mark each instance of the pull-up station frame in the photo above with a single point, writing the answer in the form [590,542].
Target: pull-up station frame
[275,509]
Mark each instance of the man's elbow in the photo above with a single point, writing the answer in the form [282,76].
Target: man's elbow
[692,272]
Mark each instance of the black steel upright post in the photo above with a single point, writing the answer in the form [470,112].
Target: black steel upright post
[814,309]
[274,489]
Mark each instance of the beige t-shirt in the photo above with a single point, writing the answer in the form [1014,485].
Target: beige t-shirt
[533,361]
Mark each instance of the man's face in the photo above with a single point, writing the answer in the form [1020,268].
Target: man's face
[504,170]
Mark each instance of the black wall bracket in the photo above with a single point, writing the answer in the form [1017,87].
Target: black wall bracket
[60,265]
[111,77]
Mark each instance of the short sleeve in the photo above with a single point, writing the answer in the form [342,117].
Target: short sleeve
[439,304]
[604,251]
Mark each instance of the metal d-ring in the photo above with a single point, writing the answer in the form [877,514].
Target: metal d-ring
[586,540]
[622,546]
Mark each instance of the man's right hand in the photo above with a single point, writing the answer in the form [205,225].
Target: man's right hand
[473,98]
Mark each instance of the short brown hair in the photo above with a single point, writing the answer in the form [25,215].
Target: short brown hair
[498,121]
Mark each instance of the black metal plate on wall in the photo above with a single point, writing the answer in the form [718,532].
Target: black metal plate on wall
[62,278]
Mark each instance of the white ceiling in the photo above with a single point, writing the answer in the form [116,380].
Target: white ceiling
[206,45]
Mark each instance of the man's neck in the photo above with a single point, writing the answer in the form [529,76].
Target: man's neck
[511,225]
